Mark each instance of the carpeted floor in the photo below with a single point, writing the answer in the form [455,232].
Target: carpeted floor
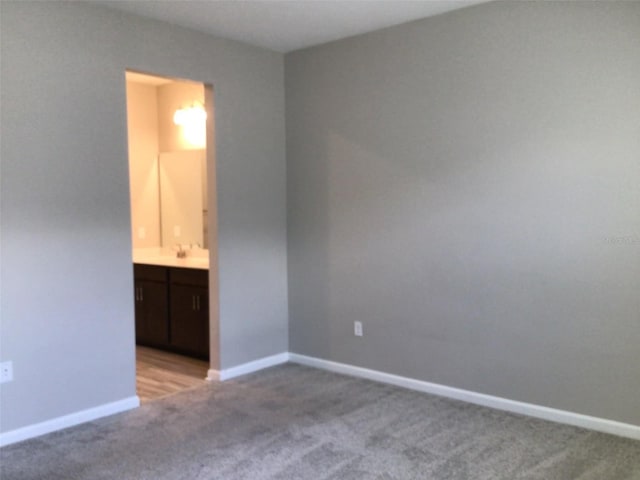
[294,422]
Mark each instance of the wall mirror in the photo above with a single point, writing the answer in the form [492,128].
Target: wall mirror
[183,198]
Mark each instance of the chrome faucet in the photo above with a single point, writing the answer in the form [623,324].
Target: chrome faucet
[181,253]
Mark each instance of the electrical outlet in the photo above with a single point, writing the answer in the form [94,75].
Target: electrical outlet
[357,329]
[142,233]
[177,231]
[6,372]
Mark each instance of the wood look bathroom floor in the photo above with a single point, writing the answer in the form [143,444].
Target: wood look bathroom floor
[159,373]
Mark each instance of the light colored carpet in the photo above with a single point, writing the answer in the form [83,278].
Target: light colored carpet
[295,422]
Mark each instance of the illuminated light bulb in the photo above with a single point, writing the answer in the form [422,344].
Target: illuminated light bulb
[178,117]
[193,125]
[190,115]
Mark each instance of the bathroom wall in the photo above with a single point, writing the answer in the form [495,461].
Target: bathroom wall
[151,130]
[142,122]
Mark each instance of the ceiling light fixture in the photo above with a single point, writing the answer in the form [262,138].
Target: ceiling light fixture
[194,114]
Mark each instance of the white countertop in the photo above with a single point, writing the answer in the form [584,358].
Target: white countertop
[157,257]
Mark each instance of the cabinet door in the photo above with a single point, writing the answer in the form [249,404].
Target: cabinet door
[152,308]
[190,319]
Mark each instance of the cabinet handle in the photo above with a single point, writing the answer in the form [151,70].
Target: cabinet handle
[137,294]
[198,301]
[141,295]
[193,302]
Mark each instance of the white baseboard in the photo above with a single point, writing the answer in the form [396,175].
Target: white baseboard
[529,409]
[499,403]
[67,421]
[249,367]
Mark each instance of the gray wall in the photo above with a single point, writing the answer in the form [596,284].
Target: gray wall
[67,304]
[468,186]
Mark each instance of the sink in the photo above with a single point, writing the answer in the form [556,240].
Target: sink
[171,261]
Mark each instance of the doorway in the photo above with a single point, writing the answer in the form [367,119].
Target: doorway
[172,199]
[160,373]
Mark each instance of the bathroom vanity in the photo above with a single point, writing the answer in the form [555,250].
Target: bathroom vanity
[172,306]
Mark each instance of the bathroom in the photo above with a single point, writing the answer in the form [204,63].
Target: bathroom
[167,138]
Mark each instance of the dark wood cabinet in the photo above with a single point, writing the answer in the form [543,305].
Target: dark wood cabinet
[151,305]
[172,309]
[189,319]
[189,310]
[152,327]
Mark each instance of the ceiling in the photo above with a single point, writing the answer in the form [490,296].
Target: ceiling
[286,25]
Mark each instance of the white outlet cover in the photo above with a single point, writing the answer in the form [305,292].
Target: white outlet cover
[6,372]
[357,329]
